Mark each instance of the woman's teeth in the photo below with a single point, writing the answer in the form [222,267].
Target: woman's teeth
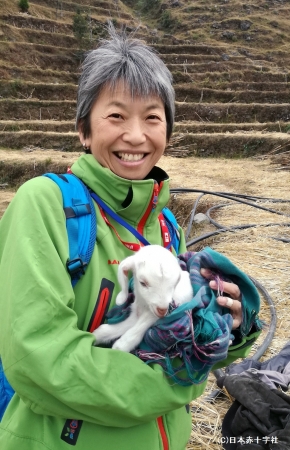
[130,156]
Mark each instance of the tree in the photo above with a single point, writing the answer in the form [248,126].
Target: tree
[150,7]
[80,26]
[23,5]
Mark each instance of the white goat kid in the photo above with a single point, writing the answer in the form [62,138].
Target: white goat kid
[158,280]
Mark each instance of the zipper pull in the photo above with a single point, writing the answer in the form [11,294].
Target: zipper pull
[155,195]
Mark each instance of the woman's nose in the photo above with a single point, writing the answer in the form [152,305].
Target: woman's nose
[134,133]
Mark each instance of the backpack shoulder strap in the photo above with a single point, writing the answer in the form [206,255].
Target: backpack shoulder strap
[6,391]
[81,227]
[81,223]
[172,226]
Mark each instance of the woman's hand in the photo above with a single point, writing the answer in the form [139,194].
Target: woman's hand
[233,302]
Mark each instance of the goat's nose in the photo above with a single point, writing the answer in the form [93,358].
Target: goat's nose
[161,311]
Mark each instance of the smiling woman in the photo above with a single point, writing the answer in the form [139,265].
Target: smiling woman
[128,62]
[125,114]
[128,135]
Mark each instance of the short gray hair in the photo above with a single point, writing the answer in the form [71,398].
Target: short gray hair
[129,60]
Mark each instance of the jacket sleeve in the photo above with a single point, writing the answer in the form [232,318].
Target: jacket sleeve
[51,363]
[182,243]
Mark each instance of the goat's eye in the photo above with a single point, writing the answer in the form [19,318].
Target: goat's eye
[143,283]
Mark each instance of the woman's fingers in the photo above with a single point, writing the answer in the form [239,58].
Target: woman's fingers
[229,288]
[233,302]
[234,306]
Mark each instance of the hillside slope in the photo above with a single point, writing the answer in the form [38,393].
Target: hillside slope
[230,64]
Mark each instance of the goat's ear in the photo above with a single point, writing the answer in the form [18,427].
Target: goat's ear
[183,291]
[127,264]
[124,267]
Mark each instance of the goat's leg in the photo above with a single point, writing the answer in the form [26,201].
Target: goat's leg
[109,332]
[183,291]
[130,340]
[126,265]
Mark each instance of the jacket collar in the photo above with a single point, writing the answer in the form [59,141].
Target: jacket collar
[128,198]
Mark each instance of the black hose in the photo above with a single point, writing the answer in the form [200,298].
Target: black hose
[237,197]
[230,194]
[273,323]
[265,344]
[189,226]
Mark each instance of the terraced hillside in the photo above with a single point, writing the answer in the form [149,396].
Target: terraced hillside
[231,66]
[229,60]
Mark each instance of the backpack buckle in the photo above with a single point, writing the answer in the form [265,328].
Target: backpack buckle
[76,266]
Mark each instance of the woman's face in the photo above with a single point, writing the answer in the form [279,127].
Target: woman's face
[128,135]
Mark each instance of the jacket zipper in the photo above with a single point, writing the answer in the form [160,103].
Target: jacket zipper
[152,205]
[163,434]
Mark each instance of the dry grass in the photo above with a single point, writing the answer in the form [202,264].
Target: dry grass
[253,250]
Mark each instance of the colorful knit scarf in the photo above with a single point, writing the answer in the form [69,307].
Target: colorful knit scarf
[196,335]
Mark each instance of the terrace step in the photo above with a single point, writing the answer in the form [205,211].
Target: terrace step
[229,145]
[36,23]
[39,37]
[188,93]
[42,57]
[37,110]
[54,4]
[18,166]
[28,109]
[224,66]
[222,50]
[187,58]
[60,141]
[233,112]
[37,125]
[247,86]
[206,127]
[16,73]
[210,79]
[41,91]
[179,128]
[191,94]
[67,10]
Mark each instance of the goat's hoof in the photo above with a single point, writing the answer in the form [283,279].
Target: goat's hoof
[119,345]
[121,298]
[101,334]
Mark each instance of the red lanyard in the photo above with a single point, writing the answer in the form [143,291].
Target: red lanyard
[132,245]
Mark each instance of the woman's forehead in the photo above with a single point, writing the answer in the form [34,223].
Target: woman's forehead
[122,92]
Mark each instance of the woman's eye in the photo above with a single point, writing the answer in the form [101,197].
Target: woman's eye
[116,116]
[153,117]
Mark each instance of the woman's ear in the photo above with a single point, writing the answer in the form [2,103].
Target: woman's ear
[86,142]
[80,131]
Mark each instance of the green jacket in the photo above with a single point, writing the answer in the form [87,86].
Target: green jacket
[112,399]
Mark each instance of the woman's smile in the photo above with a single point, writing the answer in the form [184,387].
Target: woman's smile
[130,157]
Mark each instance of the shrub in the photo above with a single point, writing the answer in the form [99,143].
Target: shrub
[167,21]
[23,5]
[80,26]
[150,7]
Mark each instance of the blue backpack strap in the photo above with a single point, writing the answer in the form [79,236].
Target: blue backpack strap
[6,391]
[172,226]
[81,222]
